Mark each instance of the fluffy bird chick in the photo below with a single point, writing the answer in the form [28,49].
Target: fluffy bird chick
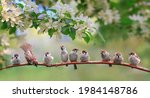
[84,56]
[73,56]
[48,58]
[64,54]
[118,58]
[106,57]
[30,58]
[16,60]
[134,59]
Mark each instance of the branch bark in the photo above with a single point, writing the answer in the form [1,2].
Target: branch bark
[79,63]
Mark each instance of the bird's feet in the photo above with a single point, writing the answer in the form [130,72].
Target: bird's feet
[29,63]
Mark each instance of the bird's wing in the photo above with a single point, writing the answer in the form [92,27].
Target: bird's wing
[52,57]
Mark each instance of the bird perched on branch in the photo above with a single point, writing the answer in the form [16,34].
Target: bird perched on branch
[73,56]
[16,60]
[134,59]
[30,58]
[118,58]
[64,54]
[106,57]
[48,58]
[84,56]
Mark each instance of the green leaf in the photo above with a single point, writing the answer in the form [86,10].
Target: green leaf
[20,5]
[51,32]
[1,8]
[34,15]
[12,30]
[114,3]
[65,30]
[67,15]
[72,33]
[4,25]
[127,3]
[35,24]
[125,21]
[53,10]
[148,20]
[82,6]
[81,22]
[87,36]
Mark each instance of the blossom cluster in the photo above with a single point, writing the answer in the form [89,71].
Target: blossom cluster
[27,14]
[140,18]
[11,13]
[109,16]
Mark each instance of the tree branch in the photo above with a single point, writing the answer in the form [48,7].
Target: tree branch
[78,63]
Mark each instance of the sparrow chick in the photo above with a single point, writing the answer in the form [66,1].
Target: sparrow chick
[134,59]
[48,58]
[84,56]
[105,57]
[73,56]
[118,58]
[64,54]
[30,58]
[16,60]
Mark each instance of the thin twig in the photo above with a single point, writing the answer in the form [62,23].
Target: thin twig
[79,63]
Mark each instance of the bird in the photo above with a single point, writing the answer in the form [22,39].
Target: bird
[48,58]
[30,58]
[118,58]
[84,56]
[73,56]
[134,59]
[64,55]
[105,57]
[16,60]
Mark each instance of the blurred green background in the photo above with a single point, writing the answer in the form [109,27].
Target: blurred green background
[124,36]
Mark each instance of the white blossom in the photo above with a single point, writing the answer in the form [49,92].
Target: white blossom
[109,16]
[138,18]
[41,16]
[84,22]
[63,8]
[30,6]
[11,13]
[44,27]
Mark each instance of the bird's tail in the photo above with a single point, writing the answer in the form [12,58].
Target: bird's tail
[35,62]
[110,65]
[25,47]
[75,67]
